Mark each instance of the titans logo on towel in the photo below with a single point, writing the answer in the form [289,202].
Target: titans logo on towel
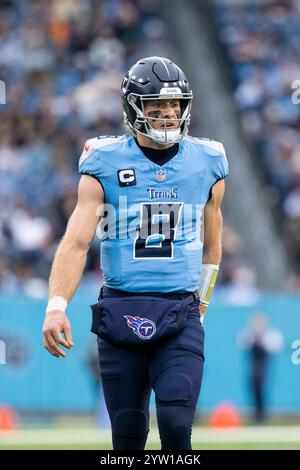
[142,327]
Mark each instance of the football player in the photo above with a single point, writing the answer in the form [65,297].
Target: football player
[153,188]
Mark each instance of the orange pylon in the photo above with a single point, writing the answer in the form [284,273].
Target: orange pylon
[7,418]
[225,415]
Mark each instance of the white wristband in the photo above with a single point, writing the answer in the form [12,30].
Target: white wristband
[208,278]
[57,303]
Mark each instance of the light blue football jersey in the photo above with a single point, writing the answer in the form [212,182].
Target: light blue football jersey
[151,224]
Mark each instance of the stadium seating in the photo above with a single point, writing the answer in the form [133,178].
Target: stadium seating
[62,63]
[262,49]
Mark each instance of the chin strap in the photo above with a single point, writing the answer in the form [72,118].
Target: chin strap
[164,136]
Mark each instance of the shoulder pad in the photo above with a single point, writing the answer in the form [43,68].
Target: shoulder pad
[213,147]
[98,142]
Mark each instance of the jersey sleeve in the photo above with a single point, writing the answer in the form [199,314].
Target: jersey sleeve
[88,162]
[221,168]
[217,165]
[215,154]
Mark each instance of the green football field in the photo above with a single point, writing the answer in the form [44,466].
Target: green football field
[250,437]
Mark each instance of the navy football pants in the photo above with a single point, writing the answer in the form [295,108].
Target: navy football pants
[172,368]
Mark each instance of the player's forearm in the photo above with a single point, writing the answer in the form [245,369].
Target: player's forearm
[212,247]
[212,254]
[67,269]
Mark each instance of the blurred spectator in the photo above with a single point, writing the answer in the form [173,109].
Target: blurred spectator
[261,342]
[237,279]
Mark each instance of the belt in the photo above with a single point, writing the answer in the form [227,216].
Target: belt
[109,292]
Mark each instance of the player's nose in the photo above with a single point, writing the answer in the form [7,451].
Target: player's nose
[168,112]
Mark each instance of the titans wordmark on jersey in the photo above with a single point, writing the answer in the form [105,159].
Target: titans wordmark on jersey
[151,224]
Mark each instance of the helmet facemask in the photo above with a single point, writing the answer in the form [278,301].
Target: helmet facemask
[166,134]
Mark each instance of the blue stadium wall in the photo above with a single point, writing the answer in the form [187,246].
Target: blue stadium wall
[33,380]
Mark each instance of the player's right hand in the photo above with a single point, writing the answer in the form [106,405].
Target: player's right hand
[56,322]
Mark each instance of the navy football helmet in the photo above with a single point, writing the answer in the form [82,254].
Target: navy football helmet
[155,78]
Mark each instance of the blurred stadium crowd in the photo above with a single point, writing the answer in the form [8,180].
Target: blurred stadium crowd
[262,46]
[62,62]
